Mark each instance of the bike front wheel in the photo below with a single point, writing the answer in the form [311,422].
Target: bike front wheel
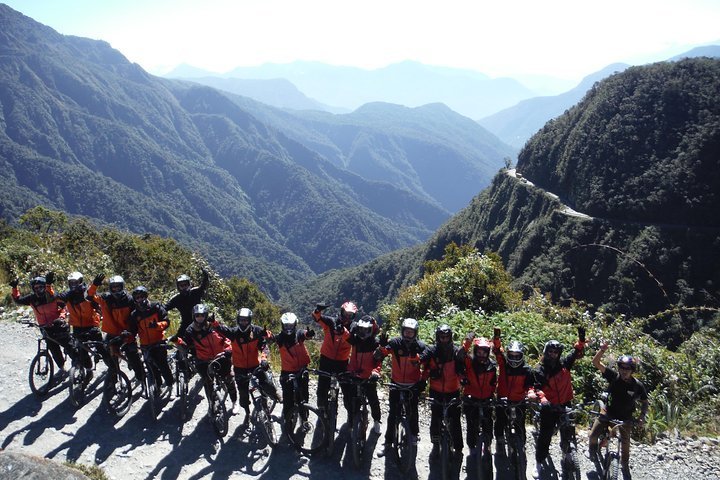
[406,449]
[613,467]
[518,460]
[78,375]
[182,393]
[220,417]
[41,374]
[445,457]
[117,393]
[307,429]
[153,395]
[571,465]
[267,423]
[483,459]
[358,437]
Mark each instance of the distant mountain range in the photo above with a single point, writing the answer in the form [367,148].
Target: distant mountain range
[264,193]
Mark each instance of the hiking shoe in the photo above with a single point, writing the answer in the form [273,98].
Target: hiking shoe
[384,449]
[538,470]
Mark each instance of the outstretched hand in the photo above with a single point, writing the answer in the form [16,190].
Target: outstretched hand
[97,281]
[13,283]
[50,278]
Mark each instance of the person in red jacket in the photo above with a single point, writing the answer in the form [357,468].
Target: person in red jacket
[249,350]
[116,306]
[363,364]
[84,317]
[514,381]
[149,321]
[480,383]
[406,370]
[49,314]
[209,344]
[552,387]
[443,364]
[294,359]
[335,350]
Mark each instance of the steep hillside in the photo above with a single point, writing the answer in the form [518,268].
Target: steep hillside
[662,248]
[85,131]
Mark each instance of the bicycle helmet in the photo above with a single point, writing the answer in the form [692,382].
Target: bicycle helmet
[75,281]
[409,324]
[140,297]
[364,327]
[625,362]
[553,345]
[38,285]
[183,283]
[443,330]
[515,354]
[348,310]
[481,349]
[117,286]
[289,322]
[244,319]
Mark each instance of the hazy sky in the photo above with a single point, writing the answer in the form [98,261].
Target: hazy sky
[564,38]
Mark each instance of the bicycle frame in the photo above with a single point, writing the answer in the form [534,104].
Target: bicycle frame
[609,446]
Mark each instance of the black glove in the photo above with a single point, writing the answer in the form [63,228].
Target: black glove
[205,274]
[264,364]
[339,328]
[153,324]
[13,283]
[309,333]
[58,322]
[50,278]
[383,339]
[98,279]
[319,307]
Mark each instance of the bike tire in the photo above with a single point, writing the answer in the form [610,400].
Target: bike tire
[117,393]
[220,417]
[152,396]
[571,465]
[358,437]
[41,373]
[307,429]
[406,451]
[269,425]
[182,392]
[613,470]
[518,459]
[331,427]
[445,457]
[483,460]
[77,385]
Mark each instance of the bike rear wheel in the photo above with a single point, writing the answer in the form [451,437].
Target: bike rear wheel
[307,429]
[406,449]
[117,393]
[41,373]
[77,385]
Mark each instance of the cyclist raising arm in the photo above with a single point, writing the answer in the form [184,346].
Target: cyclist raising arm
[49,314]
[363,364]
[624,392]
[514,380]
[186,298]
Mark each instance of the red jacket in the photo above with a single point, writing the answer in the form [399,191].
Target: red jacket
[554,382]
[46,308]
[335,345]
[248,348]
[149,325]
[294,355]
[115,312]
[444,373]
[482,379]
[406,364]
[513,383]
[208,342]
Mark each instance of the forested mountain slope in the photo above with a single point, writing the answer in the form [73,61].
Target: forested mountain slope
[641,155]
[85,131]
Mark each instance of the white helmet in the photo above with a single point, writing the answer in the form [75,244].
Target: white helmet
[289,322]
[409,323]
[244,315]
[364,327]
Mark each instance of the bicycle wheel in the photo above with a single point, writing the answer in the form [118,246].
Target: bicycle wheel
[220,415]
[613,470]
[331,427]
[571,465]
[269,425]
[117,393]
[307,429]
[358,437]
[41,373]
[406,447]
[182,393]
[77,385]
[153,399]
[483,459]
[445,456]
[516,451]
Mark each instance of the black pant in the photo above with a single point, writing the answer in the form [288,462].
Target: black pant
[86,334]
[370,391]
[243,384]
[61,336]
[332,366]
[453,413]
[160,366]
[288,390]
[131,353]
[395,410]
[478,424]
[223,374]
[549,418]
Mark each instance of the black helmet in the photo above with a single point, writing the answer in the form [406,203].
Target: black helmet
[626,361]
[515,354]
[39,282]
[443,330]
[553,345]
[183,283]
[364,327]
[140,297]
[244,319]
[117,286]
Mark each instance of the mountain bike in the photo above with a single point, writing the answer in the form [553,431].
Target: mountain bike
[446,446]
[570,463]
[331,410]
[483,456]
[80,374]
[184,370]
[404,444]
[360,417]
[41,375]
[151,385]
[263,405]
[117,389]
[515,437]
[609,447]
[306,428]
[217,396]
